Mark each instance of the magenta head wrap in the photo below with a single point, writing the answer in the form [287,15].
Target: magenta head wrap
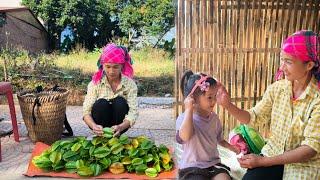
[114,54]
[304,46]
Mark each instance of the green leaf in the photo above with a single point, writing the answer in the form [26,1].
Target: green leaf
[124,139]
[137,161]
[126,160]
[148,158]
[71,171]
[113,141]
[91,150]
[59,166]
[96,140]
[55,146]
[42,162]
[86,144]
[84,153]
[140,169]
[157,166]
[151,172]
[79,163]
[96,168]
[165,157]
[55,157]
[101,152]
[114,159]
[117,148]
[167,167]
[70,165]
[68,155]
[133,153]
[76,147]
[85,171]
[147,144]
[142,152]
[106,162]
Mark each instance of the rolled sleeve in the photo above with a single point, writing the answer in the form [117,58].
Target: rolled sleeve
[89,99]
[261,112]
[132,103]
[312,130]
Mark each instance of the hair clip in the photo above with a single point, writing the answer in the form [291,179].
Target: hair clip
[204,86]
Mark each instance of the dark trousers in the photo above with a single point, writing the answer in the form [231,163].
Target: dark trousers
[194,173]
[264,173]
[108,113]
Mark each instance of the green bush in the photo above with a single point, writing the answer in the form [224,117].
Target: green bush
[154,69]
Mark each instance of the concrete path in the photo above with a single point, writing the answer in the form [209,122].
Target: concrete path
[155,121]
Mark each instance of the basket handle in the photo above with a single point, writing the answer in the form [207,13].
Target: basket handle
[68,127]
[36,102]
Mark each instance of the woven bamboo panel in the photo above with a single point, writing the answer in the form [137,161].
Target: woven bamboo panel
[238,42]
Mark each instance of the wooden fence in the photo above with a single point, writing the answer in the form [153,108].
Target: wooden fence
[238,42]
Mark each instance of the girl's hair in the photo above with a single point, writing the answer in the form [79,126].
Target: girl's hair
[188,81]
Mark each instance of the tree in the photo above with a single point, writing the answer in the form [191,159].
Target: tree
[143,17]
[94,22]
[89,20]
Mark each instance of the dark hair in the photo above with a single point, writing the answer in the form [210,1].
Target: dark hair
[188,81]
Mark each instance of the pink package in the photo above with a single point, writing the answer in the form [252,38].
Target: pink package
[238,141]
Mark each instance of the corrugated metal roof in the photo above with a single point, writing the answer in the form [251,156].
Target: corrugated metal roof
[11,9]
[23,14]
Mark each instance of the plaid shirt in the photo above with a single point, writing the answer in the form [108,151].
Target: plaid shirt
[293,123]
[127,89]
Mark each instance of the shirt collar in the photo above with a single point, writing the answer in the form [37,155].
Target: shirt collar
[310,90]
[105,82]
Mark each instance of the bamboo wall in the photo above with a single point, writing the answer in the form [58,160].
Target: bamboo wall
[238,42]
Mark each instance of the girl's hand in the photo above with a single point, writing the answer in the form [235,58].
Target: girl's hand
[223,97]
[97,129]
[251,161]
[189,102]
[236,149]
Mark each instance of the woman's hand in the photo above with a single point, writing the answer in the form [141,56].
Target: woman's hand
[117,129]
[251,161]
[223,97]
[97,129]
[189,102]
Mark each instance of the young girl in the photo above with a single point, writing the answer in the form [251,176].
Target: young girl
[199,130]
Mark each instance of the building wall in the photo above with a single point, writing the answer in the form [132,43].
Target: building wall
[18,34]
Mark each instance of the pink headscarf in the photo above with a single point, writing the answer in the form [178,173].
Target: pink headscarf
[114,54]
[305,46]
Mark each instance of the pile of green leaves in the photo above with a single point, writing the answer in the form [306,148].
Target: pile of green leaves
[102,153]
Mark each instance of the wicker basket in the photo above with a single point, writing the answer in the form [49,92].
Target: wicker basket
[44,113]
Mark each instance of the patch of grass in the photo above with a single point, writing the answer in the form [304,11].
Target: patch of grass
[154,70]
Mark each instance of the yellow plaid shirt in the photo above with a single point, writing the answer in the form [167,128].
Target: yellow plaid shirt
[127,89]
[293,123]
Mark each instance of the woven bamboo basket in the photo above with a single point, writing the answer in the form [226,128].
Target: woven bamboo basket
[46,125]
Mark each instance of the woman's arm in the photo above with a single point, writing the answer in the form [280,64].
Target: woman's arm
[132,104]
[186,129]
[89,100]
[298,155]
[241,115]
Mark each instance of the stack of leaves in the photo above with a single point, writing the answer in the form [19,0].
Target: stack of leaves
[102,153]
